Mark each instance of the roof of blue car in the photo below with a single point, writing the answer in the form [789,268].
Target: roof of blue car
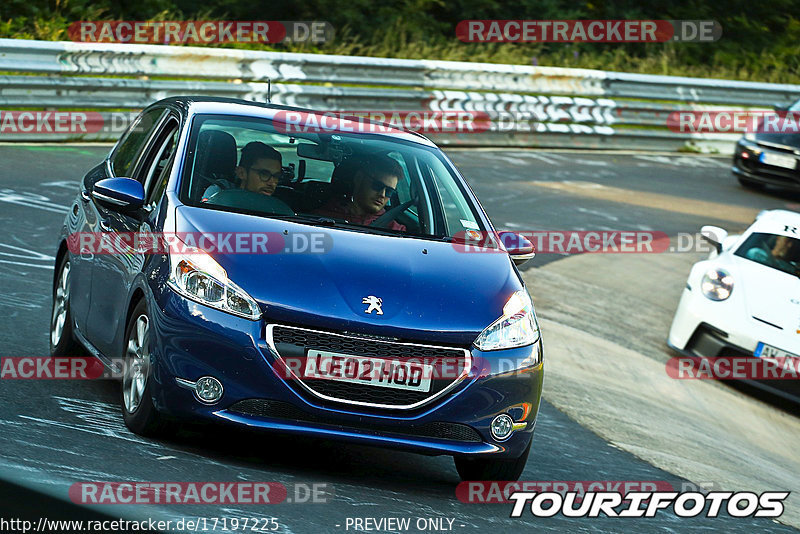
[212,104]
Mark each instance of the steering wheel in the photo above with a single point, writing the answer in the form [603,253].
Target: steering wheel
[384,220]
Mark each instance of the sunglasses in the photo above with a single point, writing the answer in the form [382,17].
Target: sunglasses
[380,187]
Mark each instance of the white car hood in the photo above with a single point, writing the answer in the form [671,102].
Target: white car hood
[769,294]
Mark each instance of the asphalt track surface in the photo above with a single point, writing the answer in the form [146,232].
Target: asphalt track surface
[54,433]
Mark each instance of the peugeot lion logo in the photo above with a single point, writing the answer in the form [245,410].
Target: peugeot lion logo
[374,304]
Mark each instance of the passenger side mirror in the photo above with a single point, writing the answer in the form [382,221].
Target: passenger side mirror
[714,235]
[119,194]
[518,247]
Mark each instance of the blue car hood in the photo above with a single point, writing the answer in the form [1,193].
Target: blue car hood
[429,290]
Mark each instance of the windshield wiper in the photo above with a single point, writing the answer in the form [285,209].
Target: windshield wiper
[306,219]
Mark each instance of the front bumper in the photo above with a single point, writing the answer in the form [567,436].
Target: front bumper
[696,313]
[698,331]
[190,341]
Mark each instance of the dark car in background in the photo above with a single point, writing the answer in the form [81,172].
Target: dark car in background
[762,158]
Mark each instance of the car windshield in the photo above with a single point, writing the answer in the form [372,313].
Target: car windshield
[357,181]
[777,251]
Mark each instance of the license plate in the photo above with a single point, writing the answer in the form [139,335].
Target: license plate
[778,160]
[773,353]
[378,372]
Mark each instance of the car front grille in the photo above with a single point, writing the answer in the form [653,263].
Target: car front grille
[294,342]
[283,410]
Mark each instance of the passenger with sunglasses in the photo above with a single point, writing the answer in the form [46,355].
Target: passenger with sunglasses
[258,171]
[373,185]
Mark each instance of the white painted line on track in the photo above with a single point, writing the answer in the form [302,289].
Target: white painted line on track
[31,200]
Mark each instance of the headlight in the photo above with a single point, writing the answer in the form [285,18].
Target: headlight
[199,277]
[516,328]
[717,284]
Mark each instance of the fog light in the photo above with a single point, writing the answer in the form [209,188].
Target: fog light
[502,427]
[208,389]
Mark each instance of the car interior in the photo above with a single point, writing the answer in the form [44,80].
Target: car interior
[779,252]
[320,167]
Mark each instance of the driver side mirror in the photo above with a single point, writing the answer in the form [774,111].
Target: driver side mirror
[518,247]
[714,235]
[119,194]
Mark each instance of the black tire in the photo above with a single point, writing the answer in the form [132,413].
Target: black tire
[491,468]
[62,340]
[750,184]
[136,400]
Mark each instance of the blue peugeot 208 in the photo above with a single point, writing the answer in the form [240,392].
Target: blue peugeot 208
[235,264]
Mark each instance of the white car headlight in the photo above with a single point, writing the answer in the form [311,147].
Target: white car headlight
[517,326]
[197,276]
[717,284]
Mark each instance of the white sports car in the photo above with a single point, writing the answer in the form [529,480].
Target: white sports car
[744,300]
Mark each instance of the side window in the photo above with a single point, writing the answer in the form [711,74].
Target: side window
[161,164]
[126,153]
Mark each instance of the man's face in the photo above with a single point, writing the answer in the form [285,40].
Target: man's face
[782,247]
[372,192]
[261,177]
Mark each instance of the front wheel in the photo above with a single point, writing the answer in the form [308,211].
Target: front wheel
[61,341]
[491,468]
[138,411]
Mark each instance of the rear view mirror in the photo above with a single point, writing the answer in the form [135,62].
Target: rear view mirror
[312,151]
[323,152]
[119,194]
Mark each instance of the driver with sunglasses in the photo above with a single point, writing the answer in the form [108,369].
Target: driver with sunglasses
[374,183]
[258,171]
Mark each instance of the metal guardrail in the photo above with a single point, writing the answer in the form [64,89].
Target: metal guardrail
[560,107]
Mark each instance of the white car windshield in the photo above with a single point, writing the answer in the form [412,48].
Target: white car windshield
[777,251]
